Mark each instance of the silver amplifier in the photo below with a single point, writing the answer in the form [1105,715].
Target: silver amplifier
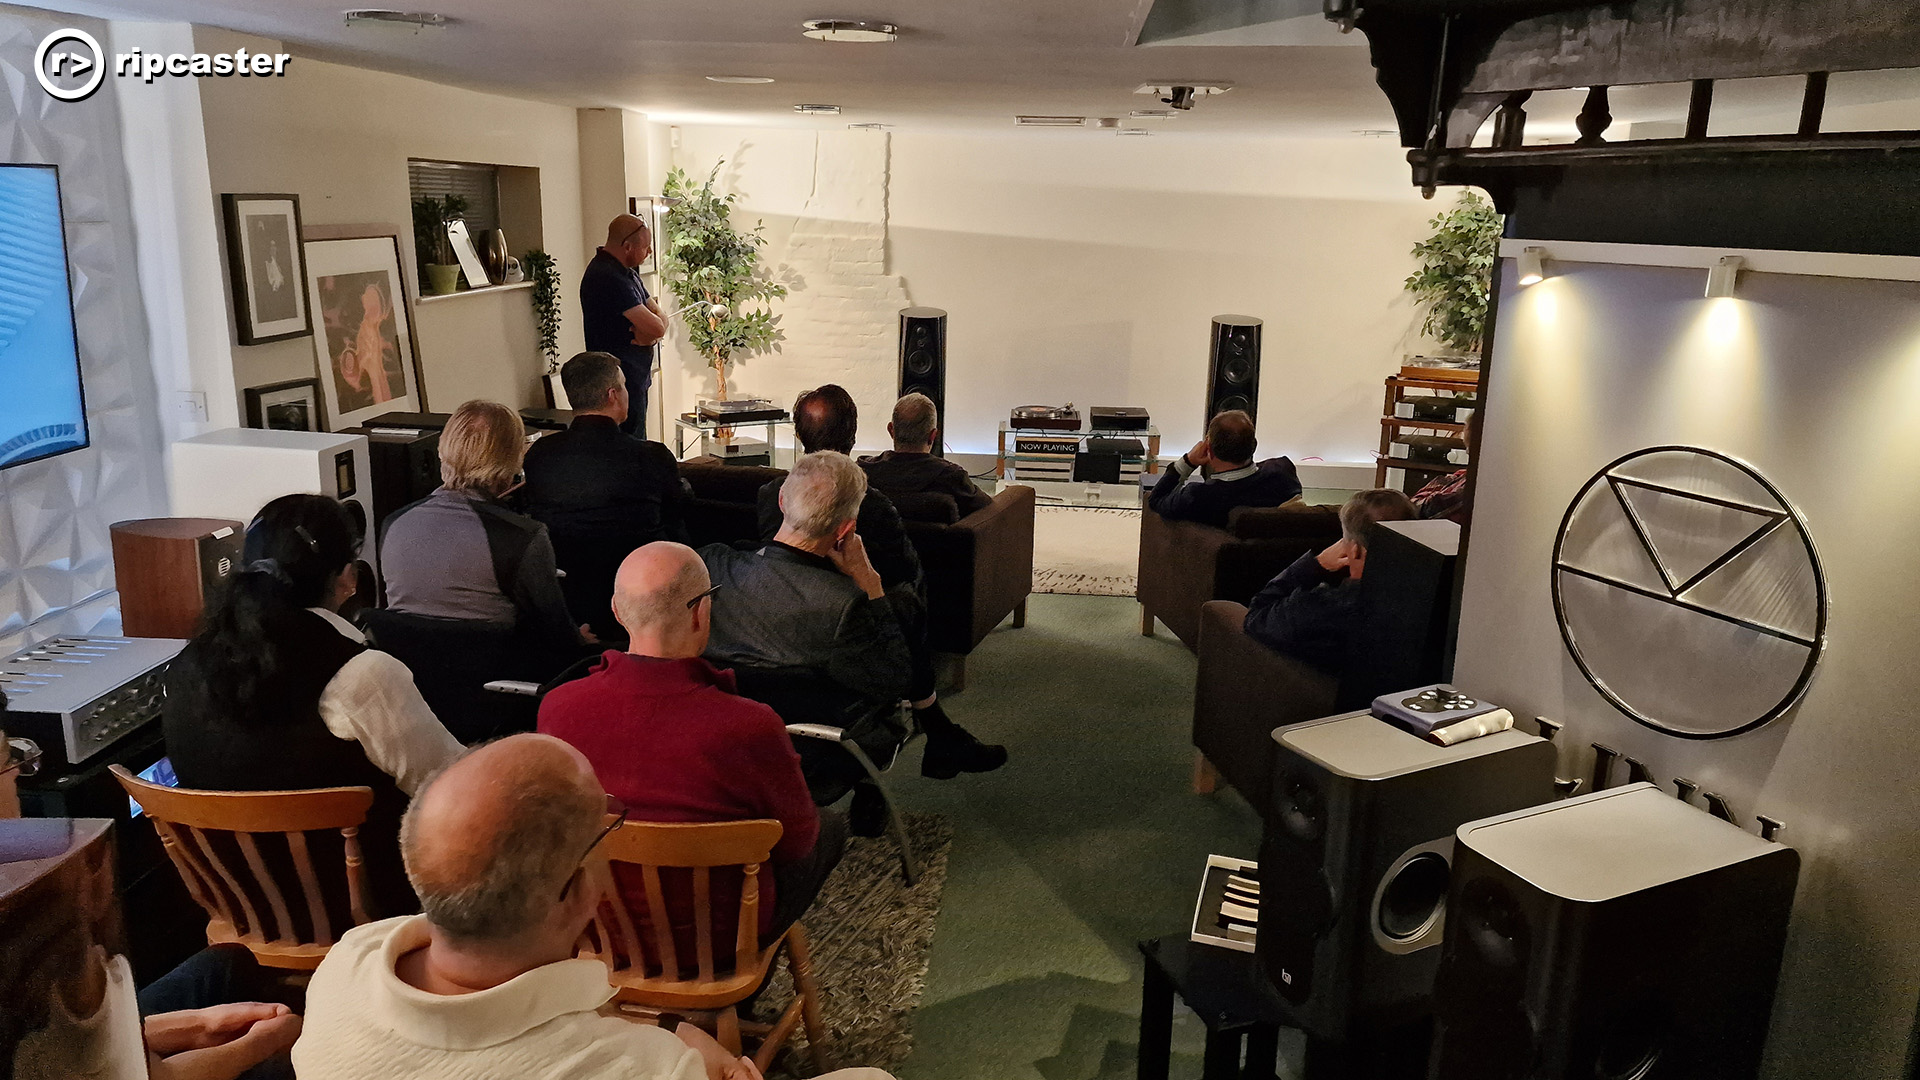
[75,696]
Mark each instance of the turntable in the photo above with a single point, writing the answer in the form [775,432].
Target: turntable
[1045,417]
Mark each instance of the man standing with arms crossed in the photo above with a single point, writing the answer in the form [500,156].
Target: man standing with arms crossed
[617,316]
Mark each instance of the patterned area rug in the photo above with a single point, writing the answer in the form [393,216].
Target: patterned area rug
[870,934]
[1086,550]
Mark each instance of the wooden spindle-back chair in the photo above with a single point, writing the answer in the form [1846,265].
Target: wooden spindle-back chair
[202,829]
[651,973]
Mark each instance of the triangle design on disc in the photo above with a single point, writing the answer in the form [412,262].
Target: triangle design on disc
[1688,536]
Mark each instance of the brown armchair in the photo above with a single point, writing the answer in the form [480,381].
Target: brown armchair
[1244,690]
[1184,564]
[978,569]
[724,508]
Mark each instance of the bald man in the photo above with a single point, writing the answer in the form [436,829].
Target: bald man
[669,736]
[484,984]
[618,316]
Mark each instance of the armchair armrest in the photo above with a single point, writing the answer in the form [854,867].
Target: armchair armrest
[1178,561]
[819,731]
[977,570]
[518,687]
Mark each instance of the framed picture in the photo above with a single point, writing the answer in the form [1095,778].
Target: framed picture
[293,405]
[363,334]
[269,273]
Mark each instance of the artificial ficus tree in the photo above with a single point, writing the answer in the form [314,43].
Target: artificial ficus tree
[708,261]
[1456,273]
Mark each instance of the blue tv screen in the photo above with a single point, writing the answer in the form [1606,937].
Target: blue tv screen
[42,410]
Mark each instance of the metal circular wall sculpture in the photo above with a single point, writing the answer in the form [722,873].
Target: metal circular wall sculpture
[1689,593]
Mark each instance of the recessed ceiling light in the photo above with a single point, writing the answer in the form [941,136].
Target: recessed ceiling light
[1133,131]
[1050,121]
[1151,114]
[849,30]
[817,110]
[740,80]
[415,19]
[1375,133]
[869,127]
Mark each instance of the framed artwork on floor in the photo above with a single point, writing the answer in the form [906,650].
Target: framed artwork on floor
[293,405]
[363,340]
[267,267]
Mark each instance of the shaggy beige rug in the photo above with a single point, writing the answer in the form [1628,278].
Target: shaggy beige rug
[1085,550]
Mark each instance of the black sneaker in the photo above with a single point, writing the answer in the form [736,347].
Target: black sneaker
[868,814]
[952,752]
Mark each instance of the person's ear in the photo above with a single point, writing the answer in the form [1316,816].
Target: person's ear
[840,534]
[889,429]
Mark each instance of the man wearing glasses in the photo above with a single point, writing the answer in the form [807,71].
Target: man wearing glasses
[618,317]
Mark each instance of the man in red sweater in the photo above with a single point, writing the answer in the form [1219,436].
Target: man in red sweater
[668,736]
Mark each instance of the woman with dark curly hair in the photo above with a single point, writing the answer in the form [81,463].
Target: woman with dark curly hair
[279,692]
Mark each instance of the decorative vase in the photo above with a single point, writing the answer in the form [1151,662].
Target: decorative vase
[442,280]
[495,256]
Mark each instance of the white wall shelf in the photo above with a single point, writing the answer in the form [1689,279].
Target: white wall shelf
[514,287]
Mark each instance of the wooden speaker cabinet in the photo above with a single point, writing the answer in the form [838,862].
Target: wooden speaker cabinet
[168,568]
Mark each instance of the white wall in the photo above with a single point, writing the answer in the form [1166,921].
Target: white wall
[1078,266]
[1814,382]
[339,137]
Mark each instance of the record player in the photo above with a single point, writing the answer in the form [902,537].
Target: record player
[741,411]
[1045,417]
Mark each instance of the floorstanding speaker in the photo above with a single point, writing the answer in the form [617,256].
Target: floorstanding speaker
[923,361]
[1233,366]
[236,471]
[1625,935]
[405,467]
[166,570]
[1356,860]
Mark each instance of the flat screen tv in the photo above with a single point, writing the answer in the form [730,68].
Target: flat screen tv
[42,409]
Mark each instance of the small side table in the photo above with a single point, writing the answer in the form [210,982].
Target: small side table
[1228,991]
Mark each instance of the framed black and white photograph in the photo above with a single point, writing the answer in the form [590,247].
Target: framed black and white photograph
[363,338]
[293,405]
[268,268]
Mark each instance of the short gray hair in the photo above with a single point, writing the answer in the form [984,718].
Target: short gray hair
[1367,507]
[824,489]
[914,418]
[663,606]
[588,378]
[510,880]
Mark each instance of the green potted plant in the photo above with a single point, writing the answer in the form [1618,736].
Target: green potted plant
[1456,274]
[539,269]
[439,272]
[706,260]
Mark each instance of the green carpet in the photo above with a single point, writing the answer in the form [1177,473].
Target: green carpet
[1088,841]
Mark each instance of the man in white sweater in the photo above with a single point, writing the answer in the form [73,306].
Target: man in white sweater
[484,986]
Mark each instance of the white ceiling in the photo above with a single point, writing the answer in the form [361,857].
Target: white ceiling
[971,64]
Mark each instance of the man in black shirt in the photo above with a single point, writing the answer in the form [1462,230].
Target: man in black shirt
[618,317]
[600,492]
[1232,479]
[910,467]
[1311,609]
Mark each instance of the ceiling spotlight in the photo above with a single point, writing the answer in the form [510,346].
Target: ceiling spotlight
[1107,122]
[415,19]
[1533,269]
[1724,276]
[869,127]
[817,110]
[740,80]
[849,30]
[1182,95]
[1050,121]
[1151,114]
[1133,131]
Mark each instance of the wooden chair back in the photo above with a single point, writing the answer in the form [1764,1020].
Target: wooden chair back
[717,978]
[202,829]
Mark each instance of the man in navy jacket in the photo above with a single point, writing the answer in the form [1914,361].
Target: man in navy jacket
[1230,478]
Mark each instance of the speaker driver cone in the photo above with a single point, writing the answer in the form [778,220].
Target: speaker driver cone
[1414,896]
[919,362]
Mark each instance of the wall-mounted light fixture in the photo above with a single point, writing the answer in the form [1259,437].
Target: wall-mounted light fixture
[1724,276]
[1533,266]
